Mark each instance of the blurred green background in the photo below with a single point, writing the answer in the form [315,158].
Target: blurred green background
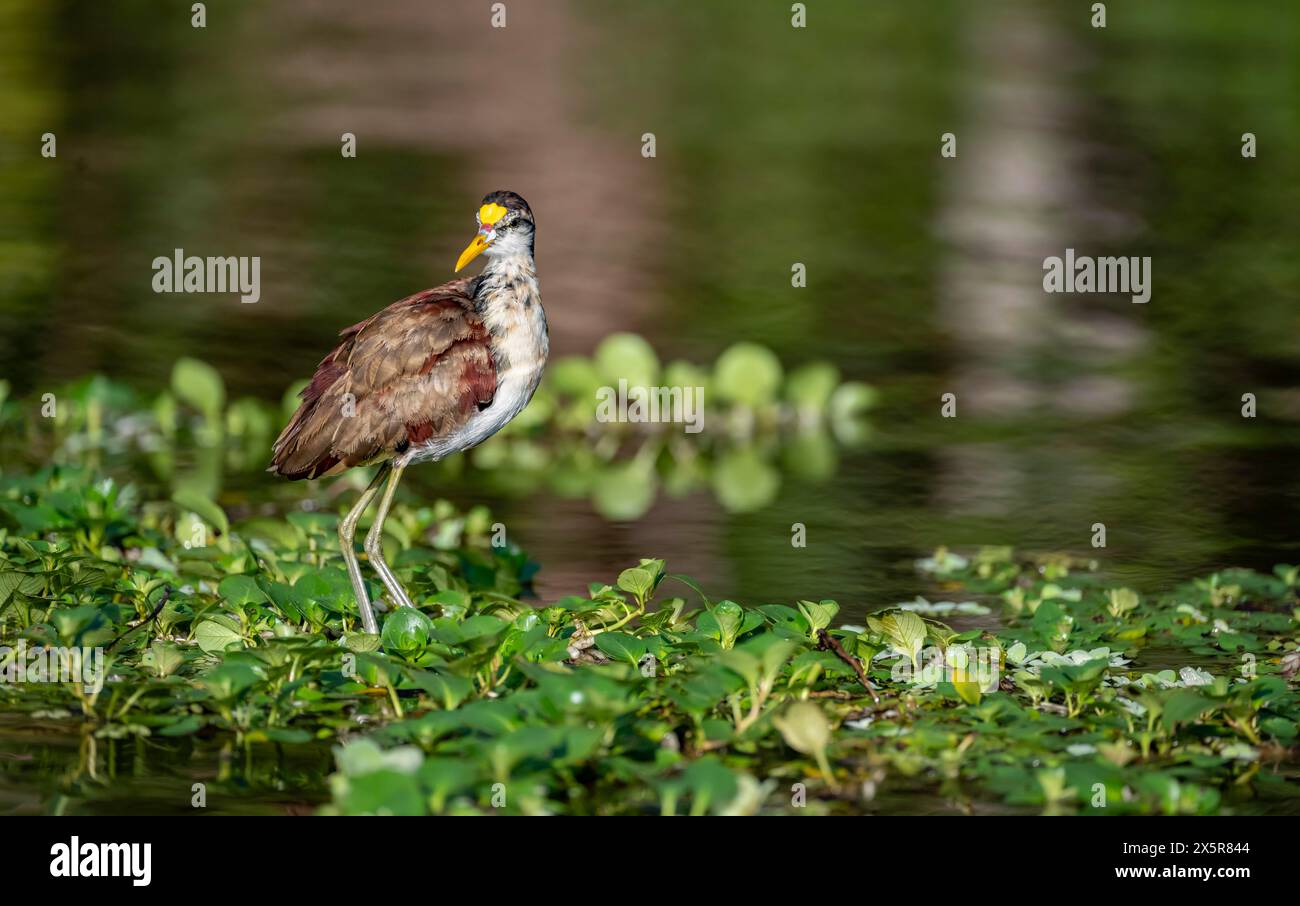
[775,145]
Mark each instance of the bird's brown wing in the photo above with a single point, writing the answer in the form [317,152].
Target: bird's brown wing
[416,370]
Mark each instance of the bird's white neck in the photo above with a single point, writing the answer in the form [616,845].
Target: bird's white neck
[502,269]
[509,300]
[511,244]
[508,281]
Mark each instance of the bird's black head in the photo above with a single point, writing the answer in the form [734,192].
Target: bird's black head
[505,228]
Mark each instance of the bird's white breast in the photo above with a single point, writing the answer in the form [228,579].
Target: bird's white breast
[520,344]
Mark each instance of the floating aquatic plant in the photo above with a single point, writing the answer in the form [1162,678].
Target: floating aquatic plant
[642,695]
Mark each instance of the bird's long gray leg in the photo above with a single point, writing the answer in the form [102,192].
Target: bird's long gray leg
[375,542]
[347,534]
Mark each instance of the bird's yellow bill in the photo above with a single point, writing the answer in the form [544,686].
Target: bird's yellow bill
[472,251]
[488,215]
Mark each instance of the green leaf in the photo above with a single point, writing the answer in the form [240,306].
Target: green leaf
[729,618]
[819,614]
[241,590]
[744,481]
[809,387]
[747,373]
[711,784]
[190,723]
[361,641]
[742,663]
[377,669]
[9,583]
[1054,625]
[279,535]
[446,776]
[481,631]
[851,399]
[637,581]
[626,356]
[206,509]
[621,646]
[804,728]
[448,689]
[383,792]
[217,634]
[291,602]
[623,492]
[1281,728]
[72,622]
[330,589]
[407,631]
[1017,653]
[290,735]
[963,677]
[775,654]
[200,385]
[1185,705]
[905,631]
[229,681]
[574,376]
[164,658]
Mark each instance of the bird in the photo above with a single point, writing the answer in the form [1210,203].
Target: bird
[429,376]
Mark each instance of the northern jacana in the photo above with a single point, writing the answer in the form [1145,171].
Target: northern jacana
[429,376]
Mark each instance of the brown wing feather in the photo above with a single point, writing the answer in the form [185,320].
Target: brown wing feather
[417,369]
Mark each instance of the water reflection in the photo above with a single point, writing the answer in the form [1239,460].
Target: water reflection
[58,767]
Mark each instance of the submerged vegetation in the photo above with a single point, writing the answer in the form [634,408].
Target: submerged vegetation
[1039,687]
